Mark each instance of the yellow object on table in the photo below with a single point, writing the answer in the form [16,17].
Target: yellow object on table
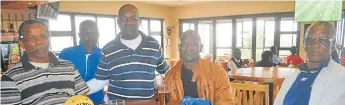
[79,100]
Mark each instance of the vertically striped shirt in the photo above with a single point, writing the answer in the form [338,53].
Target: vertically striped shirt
[131,73]
[276,59]
[25,84]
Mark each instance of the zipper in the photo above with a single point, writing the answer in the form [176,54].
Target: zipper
[86,61]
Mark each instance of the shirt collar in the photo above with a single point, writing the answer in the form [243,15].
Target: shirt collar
[96,50]
[304,68]
[143,36]
[28,66]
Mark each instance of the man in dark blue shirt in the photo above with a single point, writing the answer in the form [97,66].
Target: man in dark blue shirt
[85,56]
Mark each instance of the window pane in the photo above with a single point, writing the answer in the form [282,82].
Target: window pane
[63,23]
[144,27]
[288,25]
[106,28]
[246,53]
[117,27]
[259,52]
[239,35]
[224,34]
[284,53]
[78,20]
[187,26]
[158,38]
[221,52]
[155,26]
[205,34]
[269,33]
[288,40]
[56,44]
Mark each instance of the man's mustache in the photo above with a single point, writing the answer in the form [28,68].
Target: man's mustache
[40,47]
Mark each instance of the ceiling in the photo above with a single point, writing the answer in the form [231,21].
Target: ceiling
[20,4]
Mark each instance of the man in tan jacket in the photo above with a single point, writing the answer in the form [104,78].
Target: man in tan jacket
[196,77]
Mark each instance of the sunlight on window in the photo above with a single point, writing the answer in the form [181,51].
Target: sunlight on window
[224,38]
[117,26]
[106,29]
[158,38]
[144,27]
[264,36]
[187,26]
[56,44]
[63,23]
[155,26]
[288,40]
[78,20]
[288,25]
[205,33]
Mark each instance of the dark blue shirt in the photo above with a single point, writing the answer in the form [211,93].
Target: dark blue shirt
[131,73]
[300,91]
[86,67]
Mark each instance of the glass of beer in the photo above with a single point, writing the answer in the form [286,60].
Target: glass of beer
[117,102]
[163,94]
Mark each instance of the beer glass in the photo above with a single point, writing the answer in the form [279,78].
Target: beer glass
[163,94]
[117,102]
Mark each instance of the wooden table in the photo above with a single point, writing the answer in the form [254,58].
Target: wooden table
[267,75]
[262,74]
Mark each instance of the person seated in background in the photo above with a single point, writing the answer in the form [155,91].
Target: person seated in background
[266,60]
[85,56]
[40,78]
[276,59]
[293,58]
[194,77]
[235,61]
[320,80]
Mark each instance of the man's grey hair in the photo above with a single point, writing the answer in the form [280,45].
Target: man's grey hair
[30,22]
[331,30]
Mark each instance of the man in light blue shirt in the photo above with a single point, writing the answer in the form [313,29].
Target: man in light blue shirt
[85,56]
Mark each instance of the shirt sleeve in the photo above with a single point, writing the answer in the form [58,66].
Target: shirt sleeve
[10,94]
[80,87]
[62,55]
[162,66]
[103,71]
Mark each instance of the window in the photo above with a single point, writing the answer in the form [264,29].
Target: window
[57,46]
[264,35]
[106,29]
[244,36]
[62,23]
[78,20]
[144,27]
[187,26]
[288,35]
[205,32]
[224,37]
[62,29]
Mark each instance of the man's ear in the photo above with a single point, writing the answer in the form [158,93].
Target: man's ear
[21,43]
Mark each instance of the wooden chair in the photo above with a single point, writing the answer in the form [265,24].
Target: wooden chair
[277,83]
[250,94]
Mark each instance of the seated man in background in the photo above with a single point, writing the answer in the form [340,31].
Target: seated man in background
[39,78]
[194,77]
[293,58]
[235,61]
[85,56]
[320,80]
[266,60]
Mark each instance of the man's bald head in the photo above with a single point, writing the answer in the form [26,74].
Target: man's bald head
[128,7]
[191,33]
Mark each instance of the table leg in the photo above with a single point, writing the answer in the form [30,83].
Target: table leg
[271,93]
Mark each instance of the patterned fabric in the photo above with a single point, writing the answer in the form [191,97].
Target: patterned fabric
[131,73]
[26,84]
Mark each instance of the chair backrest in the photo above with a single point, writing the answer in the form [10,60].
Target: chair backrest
[250,94]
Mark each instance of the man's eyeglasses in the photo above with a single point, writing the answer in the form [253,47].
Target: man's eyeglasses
[325,42]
